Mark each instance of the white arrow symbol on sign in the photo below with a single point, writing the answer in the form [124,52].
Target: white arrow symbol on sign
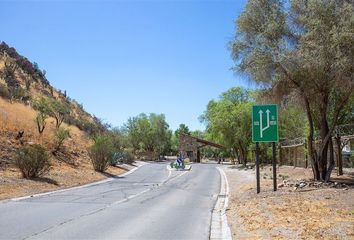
[261,129]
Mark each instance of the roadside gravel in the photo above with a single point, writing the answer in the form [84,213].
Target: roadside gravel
[293,212]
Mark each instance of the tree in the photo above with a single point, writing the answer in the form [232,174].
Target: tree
[101,152]
[53,108]
[58,110]
[42,105]
[61,134]
[119,138]
[149,133]
[183,128]
[228,121]
[302,48]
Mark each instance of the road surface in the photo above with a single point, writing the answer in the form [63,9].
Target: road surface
[150,203]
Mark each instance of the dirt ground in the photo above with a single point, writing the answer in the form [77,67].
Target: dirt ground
[71,166]
[300,209]
[61,176]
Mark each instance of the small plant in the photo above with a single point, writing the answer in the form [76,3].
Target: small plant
[61,134]
[41,123]
[33,161]
[101,152]
[4,91]
[122,157]
[283,177]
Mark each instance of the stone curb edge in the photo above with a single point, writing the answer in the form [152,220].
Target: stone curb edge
[219,228]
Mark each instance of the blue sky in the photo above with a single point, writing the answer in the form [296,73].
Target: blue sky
[121,58]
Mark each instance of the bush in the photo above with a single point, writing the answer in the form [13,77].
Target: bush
[101,153]
[122,157]
[18,93]
[33,161]
[61,134]
[4,91]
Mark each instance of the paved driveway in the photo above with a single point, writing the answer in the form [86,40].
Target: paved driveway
[150,203]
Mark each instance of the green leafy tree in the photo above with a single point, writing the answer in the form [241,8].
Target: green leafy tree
[53,108]
[42,105]
[293,122]
[182,129]
[302,48]
[59,110]
[228,121]
[149,133]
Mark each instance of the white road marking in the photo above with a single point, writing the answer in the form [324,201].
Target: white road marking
[77,187]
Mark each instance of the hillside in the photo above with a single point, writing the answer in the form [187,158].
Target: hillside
[21,83]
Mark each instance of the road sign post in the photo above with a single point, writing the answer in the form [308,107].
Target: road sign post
[274,162]
[257,169]
[265,129]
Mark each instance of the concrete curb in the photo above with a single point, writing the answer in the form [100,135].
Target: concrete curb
[219,228]
[140,164]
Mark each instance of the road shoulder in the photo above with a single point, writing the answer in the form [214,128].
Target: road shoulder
[131,169]
[219,228]
[296,210]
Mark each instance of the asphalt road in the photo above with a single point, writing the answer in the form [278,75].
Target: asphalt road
[150,203]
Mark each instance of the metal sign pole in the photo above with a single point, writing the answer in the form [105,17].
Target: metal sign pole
[274,161]
[257,168]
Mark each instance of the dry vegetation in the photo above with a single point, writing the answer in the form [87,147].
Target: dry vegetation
[303,213]
[71,166]
[22,83]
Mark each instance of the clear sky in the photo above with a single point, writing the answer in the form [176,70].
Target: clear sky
[122,58]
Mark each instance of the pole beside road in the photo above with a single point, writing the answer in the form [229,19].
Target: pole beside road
[257,168]
[274,162]
[265,129]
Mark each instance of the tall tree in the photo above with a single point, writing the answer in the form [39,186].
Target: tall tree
[228,121]
[182,128]
[149,133]
[304,48]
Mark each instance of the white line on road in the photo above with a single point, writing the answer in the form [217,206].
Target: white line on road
[77,187]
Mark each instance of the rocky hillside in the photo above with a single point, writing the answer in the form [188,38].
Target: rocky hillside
[22,86]
[22,81]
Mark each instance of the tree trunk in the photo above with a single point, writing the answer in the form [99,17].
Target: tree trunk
[311,150]
[331,161]
[237,155]
[323,151]
[242,154]
[339,156]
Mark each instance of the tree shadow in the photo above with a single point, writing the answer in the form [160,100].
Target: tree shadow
[110,175]
[64,157]
[347,179]
[46,180]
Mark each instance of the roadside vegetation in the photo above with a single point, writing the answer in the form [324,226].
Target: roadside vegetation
[33,161]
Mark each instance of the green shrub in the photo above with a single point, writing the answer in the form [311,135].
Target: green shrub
[61,134]
[122,157]
[101,152]
[4,91]
[18,93]
[33,161]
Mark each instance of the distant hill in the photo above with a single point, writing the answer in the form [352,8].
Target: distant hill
[22,81]
[22,84]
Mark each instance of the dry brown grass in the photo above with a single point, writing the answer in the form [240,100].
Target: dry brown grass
[71,167]
[324,213]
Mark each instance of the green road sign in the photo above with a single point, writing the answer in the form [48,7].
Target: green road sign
[265,123]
